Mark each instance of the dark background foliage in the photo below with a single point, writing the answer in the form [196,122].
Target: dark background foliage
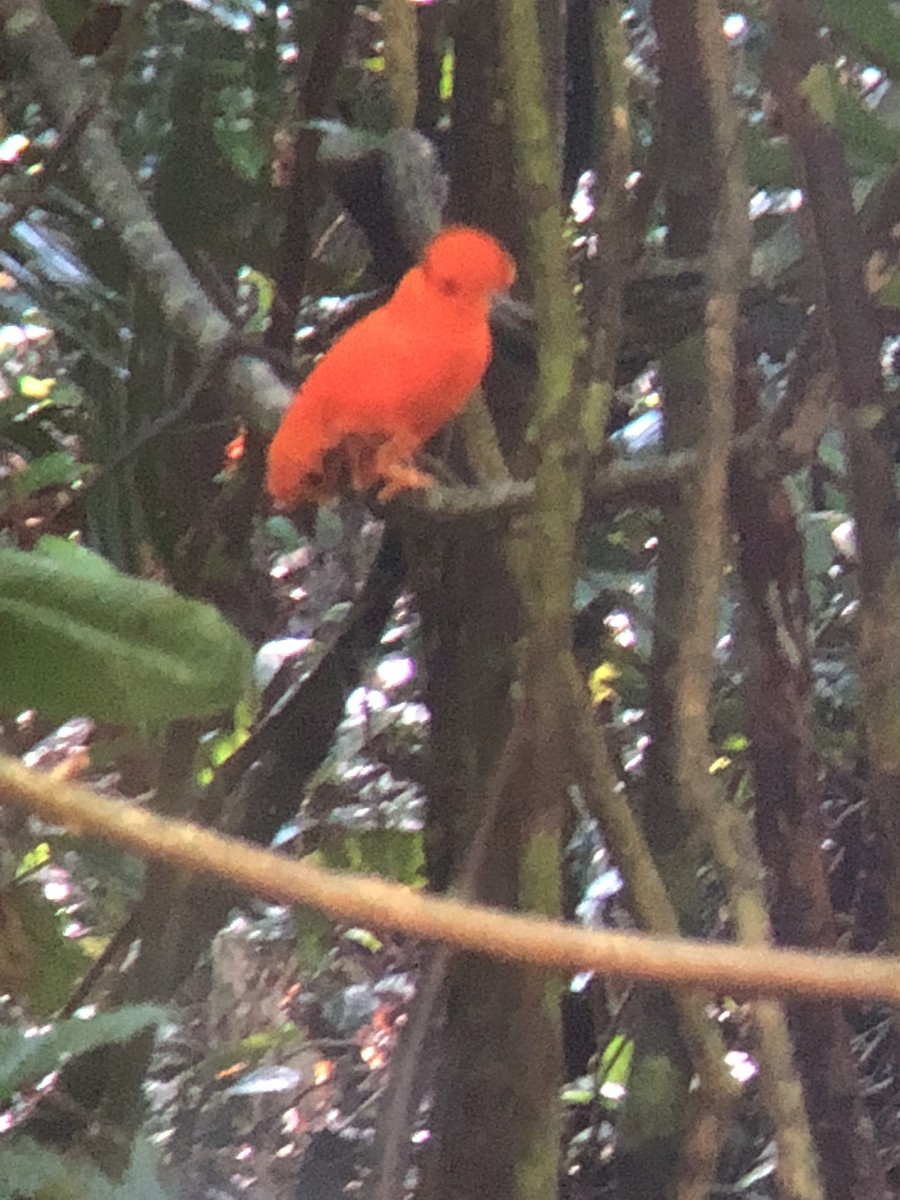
[635,663]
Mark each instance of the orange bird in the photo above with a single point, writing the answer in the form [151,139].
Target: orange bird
[393,379]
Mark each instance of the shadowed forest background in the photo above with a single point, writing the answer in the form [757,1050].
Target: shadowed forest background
[633,663]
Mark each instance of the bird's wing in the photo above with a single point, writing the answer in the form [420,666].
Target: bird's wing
[398,371]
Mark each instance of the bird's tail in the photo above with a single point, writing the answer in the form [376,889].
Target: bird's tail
[296,465]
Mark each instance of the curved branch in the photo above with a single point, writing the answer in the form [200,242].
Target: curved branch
[360,899]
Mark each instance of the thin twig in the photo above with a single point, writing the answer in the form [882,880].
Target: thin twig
[52,165]
[230,345]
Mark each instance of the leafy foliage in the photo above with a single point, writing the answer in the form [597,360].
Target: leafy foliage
[217,104]
[394,853]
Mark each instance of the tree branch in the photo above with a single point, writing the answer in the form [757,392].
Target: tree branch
[32,40]
[742,970]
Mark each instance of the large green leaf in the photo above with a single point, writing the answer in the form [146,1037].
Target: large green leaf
[76,636]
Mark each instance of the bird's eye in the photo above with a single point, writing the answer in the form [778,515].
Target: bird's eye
[448,287]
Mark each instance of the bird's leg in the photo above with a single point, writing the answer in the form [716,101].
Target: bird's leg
[346,466]
[361,451]
[394,465]
[360,462]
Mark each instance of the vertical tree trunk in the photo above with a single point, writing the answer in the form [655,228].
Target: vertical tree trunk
[777,692]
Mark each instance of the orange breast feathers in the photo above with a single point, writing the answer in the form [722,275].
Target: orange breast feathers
[393,379]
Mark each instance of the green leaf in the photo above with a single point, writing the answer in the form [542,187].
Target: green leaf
[25,1060]
[284,533]
[363,937]
[870,141]
[51,962]
[768,161]
[831,452]
[57,469]
[74,557]
[579,1094]
[37,856]
[315,934]
[13,409]
[69,15]
[242,145]
[871,26]
[394,853]
[889,292]
[78,637]
[448,68]
[615,1061]
[818,89]
[219,745]
[239,133]
[263,288]
[29,1169]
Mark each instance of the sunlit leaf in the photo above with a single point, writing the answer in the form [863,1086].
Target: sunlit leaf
[222,743]
[578,1093]
[818,89]
[448,64]
[602,682]
[363,937]
[34,388]
[37,856]
[50,963]
[262,288]
[615,1061]
[394,853]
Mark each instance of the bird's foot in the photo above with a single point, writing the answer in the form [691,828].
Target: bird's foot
[395,467]
[402,477]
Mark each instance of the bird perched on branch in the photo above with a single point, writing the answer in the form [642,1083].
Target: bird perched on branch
[394,379]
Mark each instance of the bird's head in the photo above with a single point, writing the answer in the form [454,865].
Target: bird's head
[467,263]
